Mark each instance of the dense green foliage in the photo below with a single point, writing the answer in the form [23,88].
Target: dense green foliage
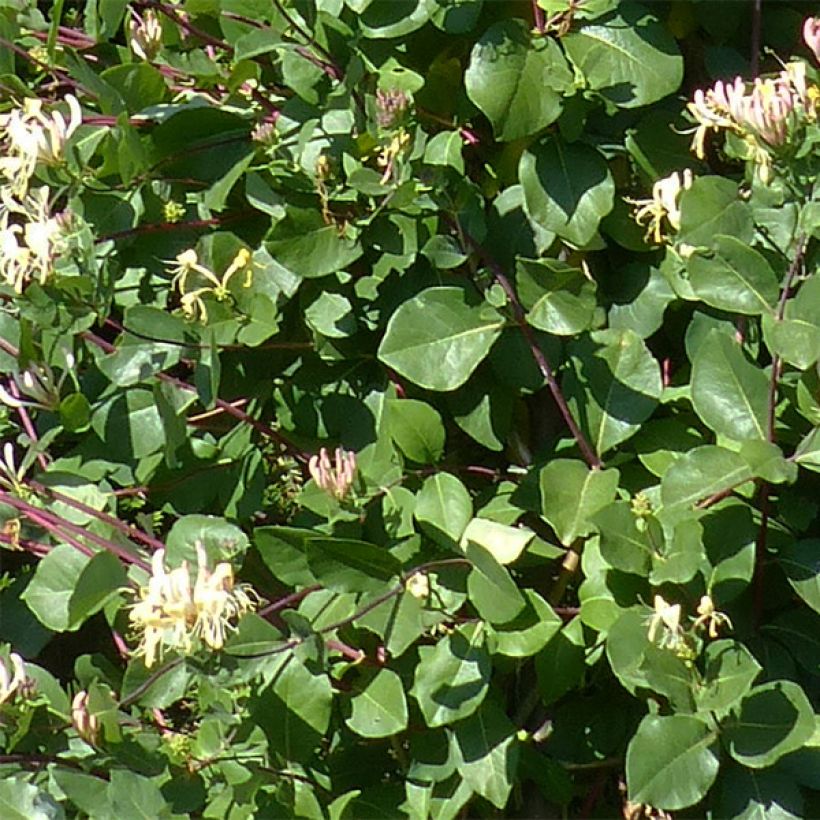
[549,290]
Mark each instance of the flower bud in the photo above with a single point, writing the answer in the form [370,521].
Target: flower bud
[86,724]
[811,35]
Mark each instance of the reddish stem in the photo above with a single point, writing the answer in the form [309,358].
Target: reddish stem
[25,420]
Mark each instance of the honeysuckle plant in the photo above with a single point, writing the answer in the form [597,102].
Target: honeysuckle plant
[409,409]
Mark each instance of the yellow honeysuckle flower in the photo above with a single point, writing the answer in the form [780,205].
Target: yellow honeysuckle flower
[663,206]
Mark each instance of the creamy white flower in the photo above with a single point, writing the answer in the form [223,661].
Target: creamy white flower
[42,235]
[173,612]
[710,618]
[11,681]
[30,136]
[666,617]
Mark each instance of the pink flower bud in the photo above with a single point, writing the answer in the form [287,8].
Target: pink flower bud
[811,35]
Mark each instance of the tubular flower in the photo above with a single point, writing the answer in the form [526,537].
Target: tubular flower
[174,612]
[30,136]
[663,205]
[335,479]
[667,617]
[192,303]
[763,115]
[14,680]
[29,246]
[710,618]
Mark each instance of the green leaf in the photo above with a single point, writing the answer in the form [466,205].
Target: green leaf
[437,340]
[443,508]
[560,664]
[796,337]
[730,669]
[417,430]
[221,540]
[734,277]
[729,393]
[23,801]
[395,19]
[346,565]
[135,797]
[712,207]
[294,711]
[624,545]
[506,64]
[139,84]
[559,298]
[749,794]
[50,592]
[308,248]
[700,473]
[801,563]
[799,631]
[380,709]
[671,762]
[451,678]
[75,412]
[670,676]
[503,542]
[332,316]
[130,424]
[101,578]
[629,57]
[771,721]
[613,387]
[567,188]
[571,494]
[491,589]
[626,644]
[527,633]
[86,792]
[488,750]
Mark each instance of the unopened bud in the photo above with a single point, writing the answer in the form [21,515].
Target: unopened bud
[146,35]
[390,107]
[86,724]
[811,35]
[336,478]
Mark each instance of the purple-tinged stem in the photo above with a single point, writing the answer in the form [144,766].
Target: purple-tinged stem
[519,315]
[25,420]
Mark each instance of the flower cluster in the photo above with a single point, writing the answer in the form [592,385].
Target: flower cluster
[764,116]
[335,479]
[36,387]
[663,207]
[191,301]
[12,681]
[146,34]
[29,136]
[173,612]
[665,623]
[30,237]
